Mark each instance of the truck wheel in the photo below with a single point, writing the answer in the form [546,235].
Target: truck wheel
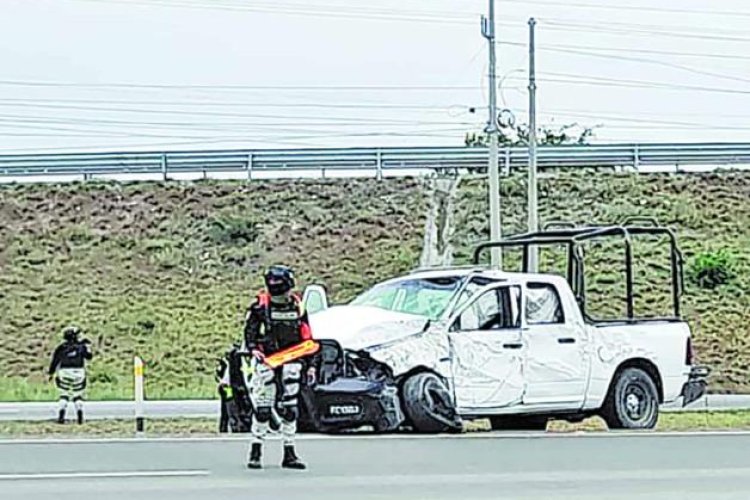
[427,404]
[519,423]
[633,401]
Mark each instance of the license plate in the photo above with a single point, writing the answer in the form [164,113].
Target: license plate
[344,410]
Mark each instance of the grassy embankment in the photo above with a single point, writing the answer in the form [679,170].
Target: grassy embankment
[165,270]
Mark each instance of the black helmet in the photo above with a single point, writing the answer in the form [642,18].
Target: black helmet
[70,333]
[279,280]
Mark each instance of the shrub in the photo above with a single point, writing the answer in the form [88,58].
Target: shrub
[233,230]
[712,269]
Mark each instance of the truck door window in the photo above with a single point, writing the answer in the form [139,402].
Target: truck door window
[471,288]
[494,310]
[543,305]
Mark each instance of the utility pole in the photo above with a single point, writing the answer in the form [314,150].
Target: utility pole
[533,224]
[488,31]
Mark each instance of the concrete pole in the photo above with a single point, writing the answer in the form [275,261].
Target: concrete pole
[533,223]
[488,31]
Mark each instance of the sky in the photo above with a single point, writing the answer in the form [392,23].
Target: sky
[100,75]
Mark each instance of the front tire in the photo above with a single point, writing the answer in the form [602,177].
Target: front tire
[427,404]
[633,401]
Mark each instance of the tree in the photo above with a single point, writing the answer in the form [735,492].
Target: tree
[518,135]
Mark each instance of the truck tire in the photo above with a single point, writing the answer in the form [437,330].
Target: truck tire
[632,402]
[427,404]
[519,423]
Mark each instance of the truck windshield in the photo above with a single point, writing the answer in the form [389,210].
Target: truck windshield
[423,297]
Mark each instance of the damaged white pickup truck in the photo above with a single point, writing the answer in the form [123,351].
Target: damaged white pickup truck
[430,349]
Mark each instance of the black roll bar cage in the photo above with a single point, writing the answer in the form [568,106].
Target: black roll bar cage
[565,233]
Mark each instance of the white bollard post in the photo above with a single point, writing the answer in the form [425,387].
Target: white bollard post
[138,375]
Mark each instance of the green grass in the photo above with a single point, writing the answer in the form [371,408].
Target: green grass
[110,428]
[668,422]
[165,270]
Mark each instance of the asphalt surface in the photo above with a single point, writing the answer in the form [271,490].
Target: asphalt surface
[100,410]
[459,467]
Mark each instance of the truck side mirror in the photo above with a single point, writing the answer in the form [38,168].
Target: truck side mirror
[314,299]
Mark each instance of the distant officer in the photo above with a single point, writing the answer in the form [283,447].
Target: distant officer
[274,322]
[68,361]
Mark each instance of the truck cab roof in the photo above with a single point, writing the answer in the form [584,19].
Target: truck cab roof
[485,272]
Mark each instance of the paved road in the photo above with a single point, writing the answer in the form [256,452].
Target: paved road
[459,467]
[210,409]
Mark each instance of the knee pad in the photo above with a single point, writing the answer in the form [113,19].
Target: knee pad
[263,414]
[291,373]
[289,413]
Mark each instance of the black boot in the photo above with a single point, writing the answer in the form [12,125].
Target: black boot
[291,461]
[254,462]
[80,417]
[61,417]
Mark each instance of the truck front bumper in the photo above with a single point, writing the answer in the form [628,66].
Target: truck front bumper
[695,387]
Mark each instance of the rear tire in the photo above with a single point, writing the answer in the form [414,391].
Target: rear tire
[519,423]
[427,404]
[632,402]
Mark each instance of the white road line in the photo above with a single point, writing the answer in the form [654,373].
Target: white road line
[471,435]
[102,475]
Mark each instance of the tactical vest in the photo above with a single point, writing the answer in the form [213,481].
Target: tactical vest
[282,325]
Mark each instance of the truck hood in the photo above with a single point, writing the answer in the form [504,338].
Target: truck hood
[359,327]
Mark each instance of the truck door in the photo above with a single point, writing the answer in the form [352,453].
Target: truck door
[555,361]
[487,351]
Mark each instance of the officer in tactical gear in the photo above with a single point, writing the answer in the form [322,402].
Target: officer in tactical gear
[225,391]
[274,322]
[236,409]
[68,362]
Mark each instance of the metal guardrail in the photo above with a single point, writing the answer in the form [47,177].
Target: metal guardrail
[380,161]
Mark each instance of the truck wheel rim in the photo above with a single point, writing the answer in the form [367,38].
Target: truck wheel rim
[436,400]
[636,402]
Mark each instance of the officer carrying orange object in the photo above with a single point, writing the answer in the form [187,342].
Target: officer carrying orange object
[277,333]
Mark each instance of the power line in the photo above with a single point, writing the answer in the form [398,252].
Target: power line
[639,9]
[306,10]
[610,30]
[340,119]
[622,118]
[100,133]
[243,139]
[263,104]
[634,50]
[670,28]
[275,88]
[580,79]
[643,59]
[299,121]
[236,104]
[651,113]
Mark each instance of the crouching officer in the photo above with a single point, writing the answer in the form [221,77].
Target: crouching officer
[68,361]
[274,322]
